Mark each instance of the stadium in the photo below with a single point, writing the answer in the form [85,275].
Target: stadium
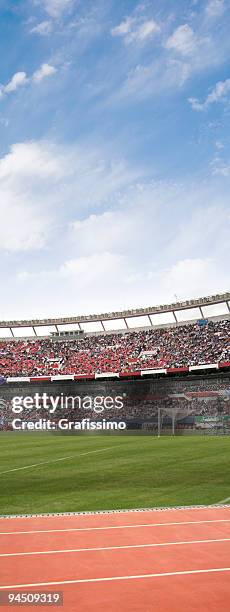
[115,305]
[67,385]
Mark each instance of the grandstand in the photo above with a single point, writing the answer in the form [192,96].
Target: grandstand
[179,369]
[147,344]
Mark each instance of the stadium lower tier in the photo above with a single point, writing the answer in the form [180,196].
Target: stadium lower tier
[199,403]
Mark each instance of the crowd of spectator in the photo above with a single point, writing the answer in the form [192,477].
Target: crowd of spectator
[185,399]
[118,352]
[139,411]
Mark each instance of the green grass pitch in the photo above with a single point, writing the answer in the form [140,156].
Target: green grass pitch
[110,472]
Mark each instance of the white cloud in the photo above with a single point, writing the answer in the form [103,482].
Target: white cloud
[139,82]
[43,28]
[195,104]
[220,90]
[39,180]
[148,28]
[220,167]
[123,28]
[85,269]
[145,210]
[152,241]
[177,72]
[88,281]
[91,268]
[218,93]
[55,8]
[26,211]
[107,236]
[188,51]
[114,230]
[193,277]
[17,80]
[20,79]
[44,71]
[153,79]
[215,8]
[23,226]
[219,145]
[134,30]
[183,40]
[31,159]
[106,282]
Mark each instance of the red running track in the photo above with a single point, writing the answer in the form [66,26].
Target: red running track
[173,560]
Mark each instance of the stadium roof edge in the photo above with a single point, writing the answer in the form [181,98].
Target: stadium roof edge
[150,310]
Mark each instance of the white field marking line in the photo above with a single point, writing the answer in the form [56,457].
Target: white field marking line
[78,550]
[111,578]
[135,526]
[223,501]
[27,467]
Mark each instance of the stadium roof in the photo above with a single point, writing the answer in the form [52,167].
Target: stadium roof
[179,312]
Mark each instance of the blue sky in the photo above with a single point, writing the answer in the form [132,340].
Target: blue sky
[114,153]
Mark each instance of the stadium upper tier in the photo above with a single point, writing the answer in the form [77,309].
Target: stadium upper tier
[205,342]
[169,314]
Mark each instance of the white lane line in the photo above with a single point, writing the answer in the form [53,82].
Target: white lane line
[32,465]
[78,550]
[135,526]
[111,578]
